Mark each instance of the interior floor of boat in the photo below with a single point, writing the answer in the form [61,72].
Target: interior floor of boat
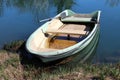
[60,43]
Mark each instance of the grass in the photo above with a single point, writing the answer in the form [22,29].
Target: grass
[13,46]
[21,67]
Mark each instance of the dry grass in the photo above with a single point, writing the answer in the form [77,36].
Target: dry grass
[10,67]
[14,66]
[3,57]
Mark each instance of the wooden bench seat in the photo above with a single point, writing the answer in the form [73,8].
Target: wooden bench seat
[73,32]
[57,27]
[71,29]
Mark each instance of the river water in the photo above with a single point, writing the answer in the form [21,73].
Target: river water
[19,18]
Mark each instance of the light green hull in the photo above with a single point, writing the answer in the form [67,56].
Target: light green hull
[88,52]
[55,55]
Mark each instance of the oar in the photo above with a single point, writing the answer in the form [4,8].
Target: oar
[45,19]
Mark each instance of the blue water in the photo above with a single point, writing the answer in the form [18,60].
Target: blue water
[19,18]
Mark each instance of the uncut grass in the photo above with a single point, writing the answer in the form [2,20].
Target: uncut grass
[12,67]
[14,45]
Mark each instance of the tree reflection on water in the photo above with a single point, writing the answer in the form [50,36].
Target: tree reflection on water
[113,3]
[42,7]
[63,4]
[37,7]
[1,7]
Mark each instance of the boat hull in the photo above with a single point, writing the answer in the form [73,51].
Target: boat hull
[63,53]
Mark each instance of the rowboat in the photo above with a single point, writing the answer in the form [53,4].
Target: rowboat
[64,35]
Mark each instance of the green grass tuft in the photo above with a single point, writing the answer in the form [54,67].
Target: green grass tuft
[13,46]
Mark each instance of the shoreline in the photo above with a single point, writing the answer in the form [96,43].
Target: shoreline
[15,65]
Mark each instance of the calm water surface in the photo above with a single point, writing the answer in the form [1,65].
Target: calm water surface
[19,18]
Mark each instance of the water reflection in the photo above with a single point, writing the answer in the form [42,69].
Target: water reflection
[63,4]
[25,5]
[37,7]
[40,8]
[1,7]
[113,3]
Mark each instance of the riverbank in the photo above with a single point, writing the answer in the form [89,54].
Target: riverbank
[16,65]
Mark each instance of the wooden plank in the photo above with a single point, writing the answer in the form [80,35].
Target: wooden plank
[74,27]
[64,31]
[54,24]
